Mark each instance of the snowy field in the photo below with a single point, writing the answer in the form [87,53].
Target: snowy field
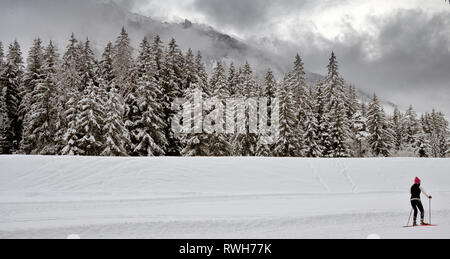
[54,197]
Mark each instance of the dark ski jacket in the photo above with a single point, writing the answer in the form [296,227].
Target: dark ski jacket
[416,190]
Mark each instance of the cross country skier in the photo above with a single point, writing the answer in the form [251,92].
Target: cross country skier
[416,202]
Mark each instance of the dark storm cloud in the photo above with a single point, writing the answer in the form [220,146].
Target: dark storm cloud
[413,62]
[248,14]
[244,14]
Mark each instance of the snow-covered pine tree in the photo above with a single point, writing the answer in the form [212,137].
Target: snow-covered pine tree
[190,69]
[72,135]
[334,90]
[298,82]
[270,85]
[218,141]
[311,137]
[437,144]
[202,80]
[105,68]
[158,55]
[40,121]
[362,134]
[172,82]
[397,127]
[287,144]
[412,129]
[11,81]
[90,121]
[87,65]
[85,113]
[2,57]
[196,144]
[116,137]
[4,121]
[364,109]
[422,146]
[147,125]
[69,85]
[123,62]
[437,131]
[269,91]
[323,120]
[233,80]
[245,144]
[33,76]
[380,139]
[357,123]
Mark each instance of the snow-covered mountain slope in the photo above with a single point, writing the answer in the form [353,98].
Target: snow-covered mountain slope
[217,197]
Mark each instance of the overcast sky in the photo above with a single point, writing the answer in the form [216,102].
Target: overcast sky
[399,49]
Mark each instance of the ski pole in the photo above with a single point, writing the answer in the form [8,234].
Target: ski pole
[430,211]
[409,219]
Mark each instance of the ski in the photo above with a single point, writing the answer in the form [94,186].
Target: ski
[425,225]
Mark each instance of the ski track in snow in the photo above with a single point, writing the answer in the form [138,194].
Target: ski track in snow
[49,197]
[316,174]
[344,170]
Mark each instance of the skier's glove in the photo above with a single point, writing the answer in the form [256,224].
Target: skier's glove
[431,197]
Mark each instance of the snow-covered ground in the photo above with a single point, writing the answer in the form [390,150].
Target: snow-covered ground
[54,197]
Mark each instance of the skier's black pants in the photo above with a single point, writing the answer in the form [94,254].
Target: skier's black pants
[417,205]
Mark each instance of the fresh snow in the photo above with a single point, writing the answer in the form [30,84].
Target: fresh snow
[94,197]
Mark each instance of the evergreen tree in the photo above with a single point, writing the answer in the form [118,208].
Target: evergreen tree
[339,131]
[269,91]
[114,132]
[34,76]
[245,144]
[287,144]
[90,121]
[422,146]
[2,58]
[72,134]
[233,80]
[270,85]
[380,139]
[412,128]
[158,55]
[364,109]
[105,68]
[69,85]
[397,127]
[40,121]
[11,81]
[123,62]
[172,82]
[357,123]
[312,147]
[87,65]
[190,70]
[299,87]
[202,76]
[196,143]
[323,120]
[4,121]
[147,125]
[435,126]
[219,143]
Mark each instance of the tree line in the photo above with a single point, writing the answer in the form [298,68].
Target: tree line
[120,105]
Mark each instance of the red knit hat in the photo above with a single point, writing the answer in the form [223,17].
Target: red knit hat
[417,180]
